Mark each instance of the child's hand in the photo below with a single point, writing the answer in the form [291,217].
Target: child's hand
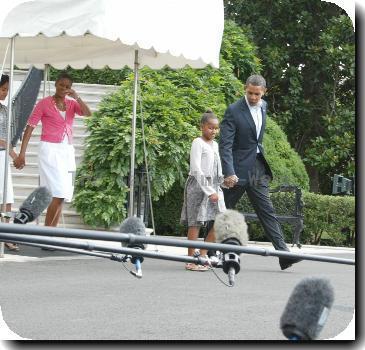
[213,197]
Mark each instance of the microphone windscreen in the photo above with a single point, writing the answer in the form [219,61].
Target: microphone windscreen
[230,226]
[307,309]
[135,226]
[36,202]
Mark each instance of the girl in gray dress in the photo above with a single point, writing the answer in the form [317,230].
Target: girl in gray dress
[203,197]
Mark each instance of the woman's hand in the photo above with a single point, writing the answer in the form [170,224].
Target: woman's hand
[72,93]
[19,162]
[13,154]
[213,197]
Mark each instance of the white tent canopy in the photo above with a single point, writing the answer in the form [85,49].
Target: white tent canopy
[107,32]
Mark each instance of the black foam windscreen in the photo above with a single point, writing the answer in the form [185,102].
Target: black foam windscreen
[230,226]
[135,226]
[34,205]
[307,309]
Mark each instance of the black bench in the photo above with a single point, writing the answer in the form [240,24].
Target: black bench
[289,209]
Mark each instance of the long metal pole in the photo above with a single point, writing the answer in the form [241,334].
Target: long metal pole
[85,247]
[133,141]
[131,238]
[8,136]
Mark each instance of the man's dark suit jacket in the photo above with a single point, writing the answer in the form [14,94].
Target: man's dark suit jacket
[238,141]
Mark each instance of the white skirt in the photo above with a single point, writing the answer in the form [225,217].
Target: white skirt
[57,168]
[9,190]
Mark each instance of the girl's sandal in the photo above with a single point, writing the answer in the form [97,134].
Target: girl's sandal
[194,267]
[12,246]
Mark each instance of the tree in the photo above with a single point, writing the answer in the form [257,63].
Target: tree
[308,58]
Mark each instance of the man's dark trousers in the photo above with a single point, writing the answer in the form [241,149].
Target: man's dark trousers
[257,190]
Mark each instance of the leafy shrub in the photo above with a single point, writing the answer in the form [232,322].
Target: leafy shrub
[326,217]
[105,76]
[286,165]
[172,101]
[328,220]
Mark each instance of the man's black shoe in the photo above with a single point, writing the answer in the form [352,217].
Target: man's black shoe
[287,262]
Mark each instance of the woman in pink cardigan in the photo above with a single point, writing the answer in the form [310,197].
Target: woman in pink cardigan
[56,153]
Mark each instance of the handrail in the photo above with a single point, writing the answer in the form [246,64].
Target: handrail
[24,101]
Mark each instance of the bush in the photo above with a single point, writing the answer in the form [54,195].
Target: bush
[285,163]
[328,220]
[105,76]
[173,102]
[167,211]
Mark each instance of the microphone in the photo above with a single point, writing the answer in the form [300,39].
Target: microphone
[136,226]
[307,309]
[231,228]
[33,206]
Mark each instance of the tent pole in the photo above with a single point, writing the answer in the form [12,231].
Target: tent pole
[8,136]
[133,144]
[45,81]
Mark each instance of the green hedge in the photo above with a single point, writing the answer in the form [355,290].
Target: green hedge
[324,218]
[105,76]
[328,220]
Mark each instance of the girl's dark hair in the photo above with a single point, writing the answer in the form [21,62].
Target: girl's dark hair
[64,75]
[207,115]
[4,79]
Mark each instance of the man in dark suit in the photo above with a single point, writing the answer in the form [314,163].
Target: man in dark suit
[243,163]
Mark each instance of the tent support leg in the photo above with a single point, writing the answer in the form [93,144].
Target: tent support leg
[8,138]
[133,143]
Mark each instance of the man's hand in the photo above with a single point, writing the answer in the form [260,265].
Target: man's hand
[213,197]
[230,181]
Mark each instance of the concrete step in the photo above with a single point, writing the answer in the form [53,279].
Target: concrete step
[77,129]
[79,120]
[25,178]
[22,189]
[33,146]
[91,103]
[19,200]
[93,89]
[30,168]
[32,157]
[69,218]
[87,94]
[70,214]
[74,226]
[78,139]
